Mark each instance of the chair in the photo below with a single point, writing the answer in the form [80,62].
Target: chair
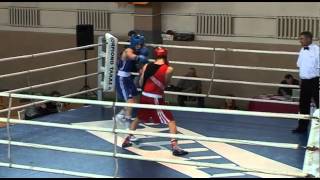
[21,114]
[191,101]
[295,94]
[2,103]
[60,107]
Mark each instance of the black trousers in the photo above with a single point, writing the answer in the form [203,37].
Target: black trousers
[309,88]
[181,100]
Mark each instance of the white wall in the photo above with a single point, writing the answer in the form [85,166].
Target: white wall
[57,17]
[69,5]
[253,21]
[245,8]
[178,23]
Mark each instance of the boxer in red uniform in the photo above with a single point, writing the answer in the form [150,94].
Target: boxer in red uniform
[154,78]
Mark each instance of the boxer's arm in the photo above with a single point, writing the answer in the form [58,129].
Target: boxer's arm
[128,54]
[168,75]
[144,51]
[142,75]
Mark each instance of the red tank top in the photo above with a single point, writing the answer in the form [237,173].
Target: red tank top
[156,83]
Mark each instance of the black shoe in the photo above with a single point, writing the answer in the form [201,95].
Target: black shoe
[179,152]
[126,143]
[299,131]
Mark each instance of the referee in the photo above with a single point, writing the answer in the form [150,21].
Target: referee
[308,64]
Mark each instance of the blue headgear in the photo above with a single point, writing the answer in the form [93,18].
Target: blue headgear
[136,40]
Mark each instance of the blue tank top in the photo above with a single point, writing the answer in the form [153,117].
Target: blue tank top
[125,66]
[129,65]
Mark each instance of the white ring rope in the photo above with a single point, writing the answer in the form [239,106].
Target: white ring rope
[232,66]
[8,129]
[212,165]
[113,129]
[225,97]
[114,104]
[136,157]
[255,83]
[163,45]
[47,53]
[165,135]
[258,51]
[232,81]
[253,99]
[47,68]
[51,83]
[257,68]
[213,70]
[162,107]
[187,47]
[175,77]
[173,46]
[91,152]
[115,142]
[49,170]
[60,148]
[217,49]
[40,102]
[218,111]
[230,97]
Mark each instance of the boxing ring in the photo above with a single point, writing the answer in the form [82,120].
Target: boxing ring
[86,142]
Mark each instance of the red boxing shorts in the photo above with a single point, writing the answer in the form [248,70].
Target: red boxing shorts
[154,115]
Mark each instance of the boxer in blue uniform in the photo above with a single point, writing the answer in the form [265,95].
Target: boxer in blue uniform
[137,67]
[126,89]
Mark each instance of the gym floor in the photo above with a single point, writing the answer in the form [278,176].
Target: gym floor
[196,124]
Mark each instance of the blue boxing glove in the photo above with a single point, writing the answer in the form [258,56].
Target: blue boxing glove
[144,51]
[142,59]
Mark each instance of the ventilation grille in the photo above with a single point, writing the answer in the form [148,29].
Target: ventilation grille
[99,19]
[219,25]
[27,17]
[290,27]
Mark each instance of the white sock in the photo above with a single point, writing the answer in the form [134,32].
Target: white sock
[121,112]
[128,122]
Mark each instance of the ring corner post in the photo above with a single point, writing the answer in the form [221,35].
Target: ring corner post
[107,64]
[311,162]
[101,57]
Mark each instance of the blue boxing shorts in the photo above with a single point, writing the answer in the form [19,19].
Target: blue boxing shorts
[126,88]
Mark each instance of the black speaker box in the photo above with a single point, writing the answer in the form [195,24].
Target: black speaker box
[85,35]
[183,37]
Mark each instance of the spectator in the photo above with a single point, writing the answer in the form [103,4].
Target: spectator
[36,110]
[130,33]
[144,51]
[190,86]
[42,109]
[170,32]
[230,103]
[308,64]
[53,107]
[282,91]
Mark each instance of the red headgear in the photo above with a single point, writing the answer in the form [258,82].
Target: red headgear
[160,52]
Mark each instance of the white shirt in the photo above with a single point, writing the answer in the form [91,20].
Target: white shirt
[308,62]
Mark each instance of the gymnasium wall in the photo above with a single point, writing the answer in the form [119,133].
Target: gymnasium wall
[19,43]
[254,27]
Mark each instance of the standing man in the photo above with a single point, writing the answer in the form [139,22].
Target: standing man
[290,80]
[308,64]
[190,86]
[154,78]
[141,51]
[126,89]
